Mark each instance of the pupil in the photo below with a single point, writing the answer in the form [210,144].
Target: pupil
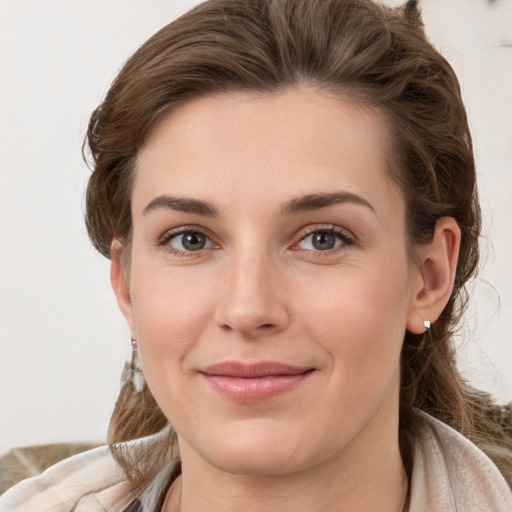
[193,241]
[323,241]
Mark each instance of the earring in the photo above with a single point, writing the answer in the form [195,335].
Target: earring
[426,323]
[137,376]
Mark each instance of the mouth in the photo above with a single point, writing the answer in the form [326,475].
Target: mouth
[252,383]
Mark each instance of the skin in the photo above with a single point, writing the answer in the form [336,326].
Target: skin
[260,290]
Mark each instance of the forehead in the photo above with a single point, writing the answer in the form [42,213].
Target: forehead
[273,145]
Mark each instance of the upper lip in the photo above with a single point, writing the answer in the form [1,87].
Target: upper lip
[253,370]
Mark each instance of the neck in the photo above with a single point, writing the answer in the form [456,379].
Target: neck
[367,476]
[384,492]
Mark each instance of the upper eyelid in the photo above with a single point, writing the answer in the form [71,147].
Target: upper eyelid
[337,230]
[164,242]
[171,233]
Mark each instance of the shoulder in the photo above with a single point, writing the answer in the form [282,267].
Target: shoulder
[63,485]
[451,473]
[88,482]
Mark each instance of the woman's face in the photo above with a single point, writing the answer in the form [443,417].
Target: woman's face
[270,288]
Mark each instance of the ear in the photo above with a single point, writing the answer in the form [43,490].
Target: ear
[120,285]
[433,279]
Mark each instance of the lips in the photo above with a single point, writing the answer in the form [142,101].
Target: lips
[254,382]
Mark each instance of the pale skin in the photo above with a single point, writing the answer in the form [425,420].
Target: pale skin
[267,272]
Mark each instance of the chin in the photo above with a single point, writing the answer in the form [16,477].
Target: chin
[261,462]
[258,448]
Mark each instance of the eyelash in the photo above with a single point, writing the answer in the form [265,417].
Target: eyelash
[347,239]
[166,239]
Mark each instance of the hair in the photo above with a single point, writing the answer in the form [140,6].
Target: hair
[357,49]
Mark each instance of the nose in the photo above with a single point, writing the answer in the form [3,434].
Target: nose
[253,301]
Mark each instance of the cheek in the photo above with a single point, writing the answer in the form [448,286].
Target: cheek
[360,318]
[168,322]
[169,314]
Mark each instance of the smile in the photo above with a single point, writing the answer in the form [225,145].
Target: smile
[254,382]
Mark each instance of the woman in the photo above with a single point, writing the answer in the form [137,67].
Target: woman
[287,192]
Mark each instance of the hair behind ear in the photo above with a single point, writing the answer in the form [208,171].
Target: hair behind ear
[138,415]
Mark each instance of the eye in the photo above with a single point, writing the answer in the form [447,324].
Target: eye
[189,241]
[324,240]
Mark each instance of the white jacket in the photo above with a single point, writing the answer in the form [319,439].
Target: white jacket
[450,474]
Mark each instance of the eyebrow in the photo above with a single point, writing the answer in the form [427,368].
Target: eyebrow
[313,202]
[309,202]
[182,204]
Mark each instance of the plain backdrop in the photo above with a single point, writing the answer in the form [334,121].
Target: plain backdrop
[62,340]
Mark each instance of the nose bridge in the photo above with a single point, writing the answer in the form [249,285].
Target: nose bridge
[253,302]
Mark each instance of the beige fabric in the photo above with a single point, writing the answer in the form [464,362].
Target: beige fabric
[88,482]
[90,478]
[28,461]
[450,475]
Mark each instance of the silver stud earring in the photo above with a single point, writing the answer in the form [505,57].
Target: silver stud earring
[136,369]
[426,323]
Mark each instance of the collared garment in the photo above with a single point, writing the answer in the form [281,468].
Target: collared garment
[450,474]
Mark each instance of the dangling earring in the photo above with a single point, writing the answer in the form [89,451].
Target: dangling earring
[137,376]
[426,323]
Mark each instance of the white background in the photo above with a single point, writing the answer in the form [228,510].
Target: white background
[62,340]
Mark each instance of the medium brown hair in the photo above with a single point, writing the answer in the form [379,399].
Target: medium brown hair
[355,48]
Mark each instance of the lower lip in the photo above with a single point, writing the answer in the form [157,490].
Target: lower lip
[254,389]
